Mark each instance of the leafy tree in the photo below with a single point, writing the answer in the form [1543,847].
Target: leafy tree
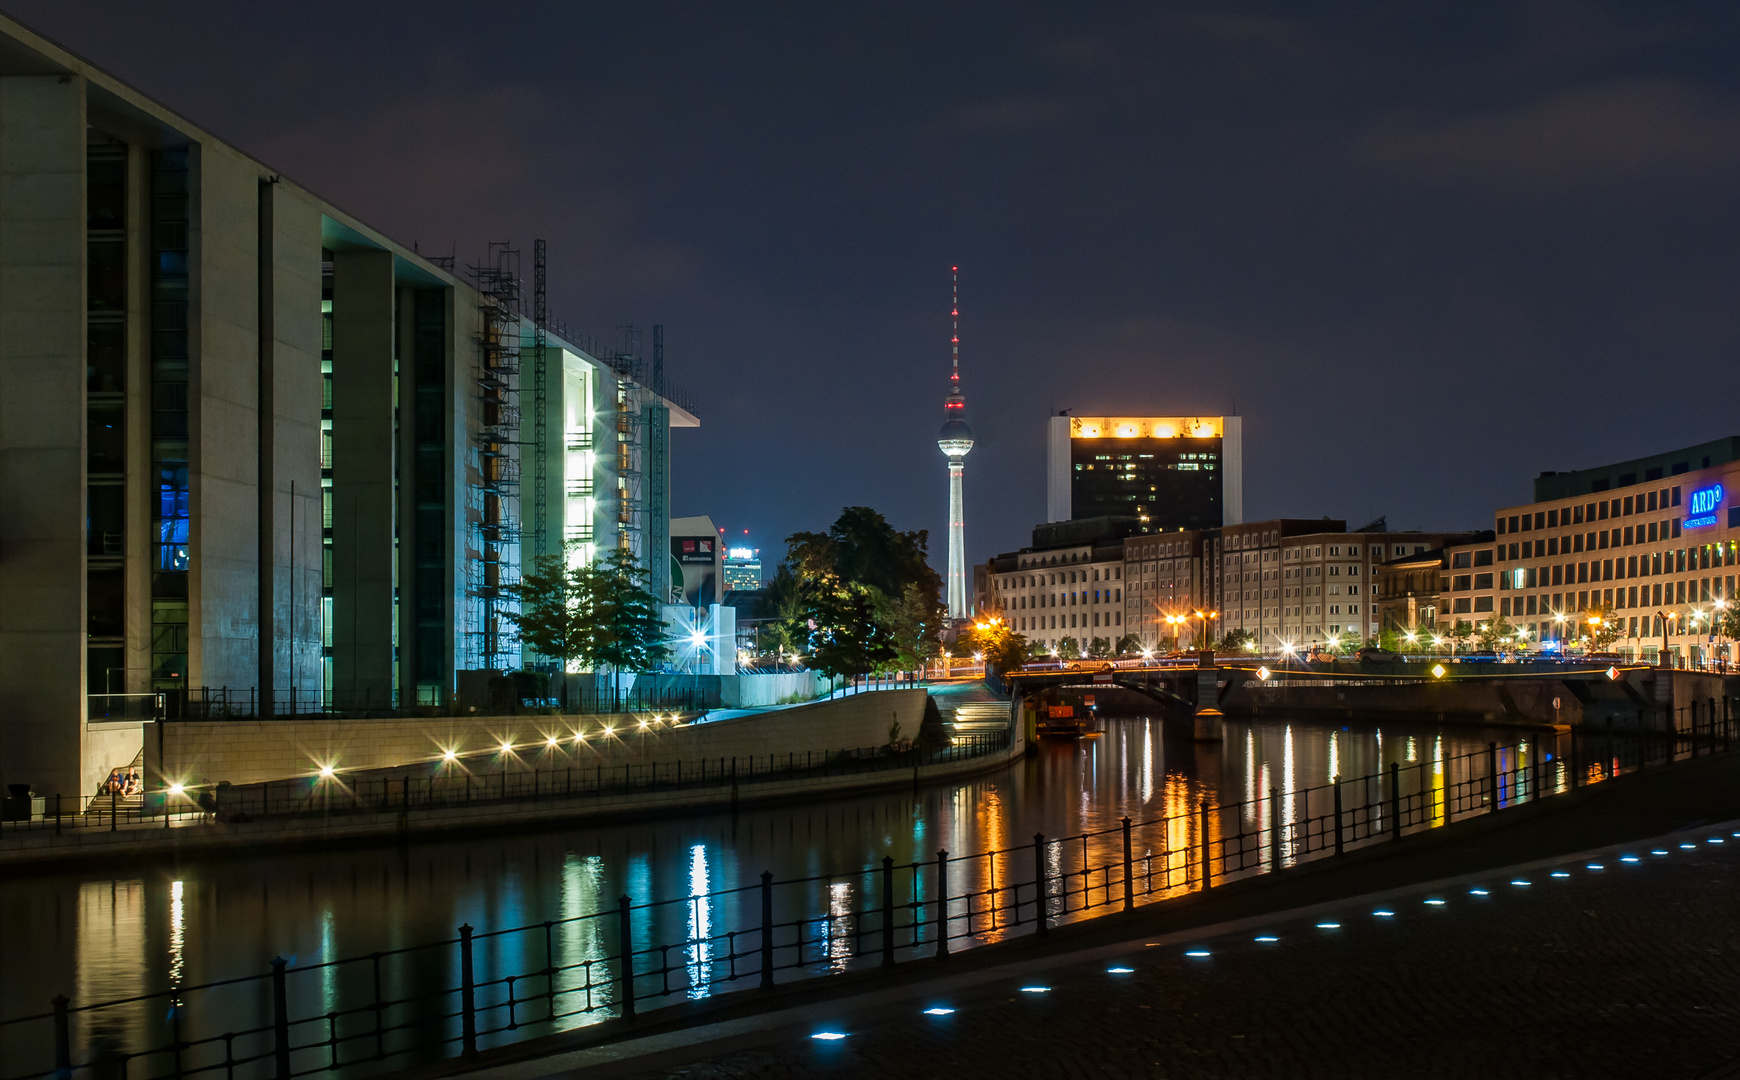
[1068,649]
[847,640]
[551,621]
[862,562]
[1129,645]
[1236,641]
[913,622]
[862,548]
[1458,634]
[598,616]
[1099,648]
[1491,635]
[998,642]
[626,628]
[1727,623]
[786,630]
[1601,626]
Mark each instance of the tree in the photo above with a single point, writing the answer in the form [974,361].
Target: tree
[1129,645]
[862,548]
[913,621]
[1236,641]
[1727,622]
[862,562]
[786,631]
[1601,626]
[1492,634]
[551,619]
[626,628]
[847,639]
[1068,649]
[597,616]
[998,643]
[1099,648]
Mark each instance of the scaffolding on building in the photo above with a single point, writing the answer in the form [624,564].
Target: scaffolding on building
[626,364]
[540,382]
[494,472]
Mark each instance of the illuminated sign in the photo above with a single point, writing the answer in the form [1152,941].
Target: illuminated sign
[1701,507]
[1145,427]
[740,553]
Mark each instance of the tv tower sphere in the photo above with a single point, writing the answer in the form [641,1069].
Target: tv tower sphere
[955,440]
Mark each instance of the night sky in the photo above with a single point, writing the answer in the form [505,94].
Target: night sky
[1427,250]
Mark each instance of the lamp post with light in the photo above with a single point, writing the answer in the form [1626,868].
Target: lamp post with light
[1202,642]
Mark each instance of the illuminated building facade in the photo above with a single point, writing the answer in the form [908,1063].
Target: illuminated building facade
[255,444]
[1167,473]
[742,569]
[1650,542]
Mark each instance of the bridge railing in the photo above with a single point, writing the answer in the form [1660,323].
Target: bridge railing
[484,988]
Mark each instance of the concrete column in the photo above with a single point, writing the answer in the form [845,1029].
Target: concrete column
[362,477]
[224,420]
[42,438]
[290,488]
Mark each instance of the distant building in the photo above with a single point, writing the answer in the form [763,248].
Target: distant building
[1069,584]
[742,569]
[1164,473]
[697,562]
[1652,539]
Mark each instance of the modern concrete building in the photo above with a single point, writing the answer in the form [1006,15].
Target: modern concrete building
[1164,473]
[1650,542]
[249,442]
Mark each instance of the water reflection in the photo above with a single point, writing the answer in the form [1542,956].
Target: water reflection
[351,903]
[700,923]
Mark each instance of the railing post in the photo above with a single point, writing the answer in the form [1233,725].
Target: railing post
[1395,800]
[1207,871]
[280,1021]
[767,930]
[942,903]
[1274,829]
[1338,847]
[887,909]
[1129,875]
[625,933]
[1039,882]
[1492,773]
[62,1040]
[467,995]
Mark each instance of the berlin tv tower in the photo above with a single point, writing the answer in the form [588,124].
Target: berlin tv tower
[955,439]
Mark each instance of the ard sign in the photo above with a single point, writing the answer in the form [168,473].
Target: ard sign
[1702,506]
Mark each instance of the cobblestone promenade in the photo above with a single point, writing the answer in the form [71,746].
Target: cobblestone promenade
[1624,964]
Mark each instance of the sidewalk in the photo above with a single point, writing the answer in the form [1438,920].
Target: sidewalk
[1629,970]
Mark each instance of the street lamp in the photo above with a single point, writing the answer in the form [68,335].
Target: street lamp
[1202,642]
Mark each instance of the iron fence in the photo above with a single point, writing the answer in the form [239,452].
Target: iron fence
[485,988]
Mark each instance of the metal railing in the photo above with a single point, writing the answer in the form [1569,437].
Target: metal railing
[480,989]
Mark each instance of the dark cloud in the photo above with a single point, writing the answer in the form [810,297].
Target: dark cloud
[1629,130]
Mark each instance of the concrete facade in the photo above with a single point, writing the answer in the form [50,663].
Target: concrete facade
[240,437]
[245,752]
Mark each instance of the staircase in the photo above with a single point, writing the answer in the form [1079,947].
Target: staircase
[978,718]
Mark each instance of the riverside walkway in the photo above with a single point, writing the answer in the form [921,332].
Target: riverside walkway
[1619,957]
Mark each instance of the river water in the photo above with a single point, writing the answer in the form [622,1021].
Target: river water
[98,935]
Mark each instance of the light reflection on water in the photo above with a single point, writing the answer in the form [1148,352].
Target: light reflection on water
[224,918]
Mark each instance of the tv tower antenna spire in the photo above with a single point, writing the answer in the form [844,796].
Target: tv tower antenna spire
[955,440]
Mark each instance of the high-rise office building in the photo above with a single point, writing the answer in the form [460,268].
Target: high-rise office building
[1165,472]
